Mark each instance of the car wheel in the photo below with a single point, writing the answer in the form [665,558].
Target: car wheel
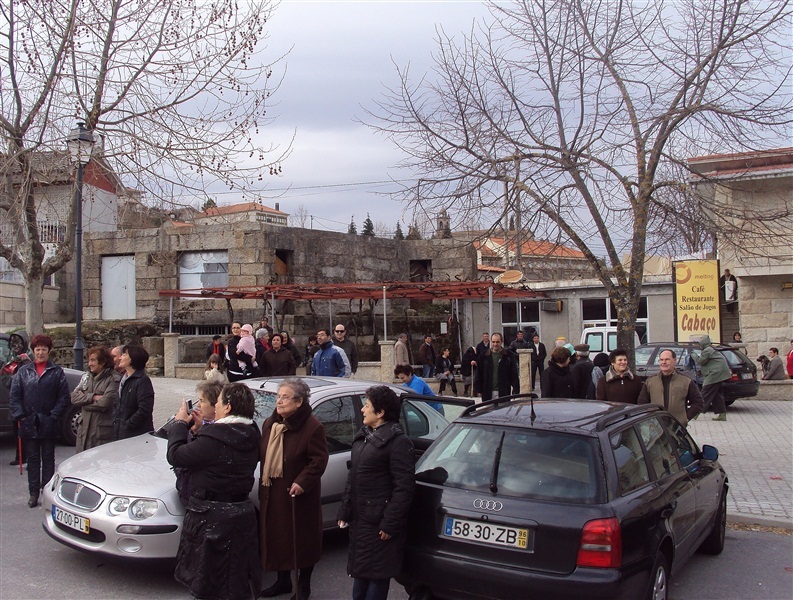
[659,580]
[70,425]
[714,543]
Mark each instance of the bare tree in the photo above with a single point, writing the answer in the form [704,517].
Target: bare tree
[578,105]
[176,92]
[300,217]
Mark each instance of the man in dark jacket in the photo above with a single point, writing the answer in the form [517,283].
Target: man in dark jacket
[38,399]
[538,355]
[427,358]
[341,340]
[518,343]
[496,371]
[216,347]
[581,371]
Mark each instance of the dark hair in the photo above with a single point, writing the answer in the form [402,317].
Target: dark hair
[738,333]
[210,390]
[601,359]
[445,348]
[240,397]
[427,335]
[279,336]
[312,338]
[323,330]
[615,353]
[560,354]
[496,333]
[667,350]
[41,340]
[138,357]
[103,356]
[384,399]
[406,369]
[774,350]
[215,358]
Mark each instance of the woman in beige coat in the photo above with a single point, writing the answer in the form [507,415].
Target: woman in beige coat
[96,394]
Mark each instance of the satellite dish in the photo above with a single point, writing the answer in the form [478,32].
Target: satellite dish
[513,276]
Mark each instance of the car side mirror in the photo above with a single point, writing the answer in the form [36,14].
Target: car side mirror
[710,452]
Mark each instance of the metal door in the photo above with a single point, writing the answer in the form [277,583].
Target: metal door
[118,287]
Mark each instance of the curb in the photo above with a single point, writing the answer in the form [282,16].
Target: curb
[746,519]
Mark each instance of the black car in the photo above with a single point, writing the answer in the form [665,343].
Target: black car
[71,420]
[524,498]
[743,384]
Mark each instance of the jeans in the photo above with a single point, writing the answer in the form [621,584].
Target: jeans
[370,589]
[426,371]
[41,462]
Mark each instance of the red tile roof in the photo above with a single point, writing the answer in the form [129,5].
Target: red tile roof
[240,208]
[530,248]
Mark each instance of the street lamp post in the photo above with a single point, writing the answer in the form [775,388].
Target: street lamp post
[80,142]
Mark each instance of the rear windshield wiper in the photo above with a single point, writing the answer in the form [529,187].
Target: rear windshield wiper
[496,463]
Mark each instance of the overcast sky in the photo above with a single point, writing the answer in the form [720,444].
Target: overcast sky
[342,55]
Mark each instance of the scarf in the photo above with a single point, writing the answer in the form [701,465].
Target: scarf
[274,461]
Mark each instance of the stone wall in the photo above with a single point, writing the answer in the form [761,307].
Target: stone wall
[766,314]
[12,305]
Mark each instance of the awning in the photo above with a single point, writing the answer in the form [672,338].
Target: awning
[426,290]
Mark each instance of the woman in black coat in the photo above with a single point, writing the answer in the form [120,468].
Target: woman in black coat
[377,497]
[134,410]
[218,554]
[39,397]
[556,381]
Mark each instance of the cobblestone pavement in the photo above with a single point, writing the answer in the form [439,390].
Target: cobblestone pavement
[755,447]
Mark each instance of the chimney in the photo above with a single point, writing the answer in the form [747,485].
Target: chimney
[277,206]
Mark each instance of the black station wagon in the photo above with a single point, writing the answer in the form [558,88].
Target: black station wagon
[523,498]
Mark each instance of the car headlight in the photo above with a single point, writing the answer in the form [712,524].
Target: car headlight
[143,509]
[119,505]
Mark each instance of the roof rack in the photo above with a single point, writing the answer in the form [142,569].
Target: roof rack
[497,401]
[631,410]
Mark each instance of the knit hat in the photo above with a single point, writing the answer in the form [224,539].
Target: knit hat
[248,328]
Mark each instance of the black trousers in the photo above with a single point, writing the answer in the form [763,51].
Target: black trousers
[41,462]
[535,367]
[711,394]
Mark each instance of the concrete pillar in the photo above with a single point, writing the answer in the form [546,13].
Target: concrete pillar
[524,370]
[170,353]
[386,361]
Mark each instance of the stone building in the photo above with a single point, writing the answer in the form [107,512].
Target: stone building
[757,251]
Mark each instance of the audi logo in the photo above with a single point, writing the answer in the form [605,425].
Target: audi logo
[483,504]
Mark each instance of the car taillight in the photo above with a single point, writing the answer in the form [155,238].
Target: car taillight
[735,377]
[601,544]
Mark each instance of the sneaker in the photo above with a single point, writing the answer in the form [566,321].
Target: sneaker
[721,417]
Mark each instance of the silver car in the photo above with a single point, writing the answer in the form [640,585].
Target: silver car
[120,499]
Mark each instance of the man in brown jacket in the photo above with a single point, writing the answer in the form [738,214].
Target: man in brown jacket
[677,393]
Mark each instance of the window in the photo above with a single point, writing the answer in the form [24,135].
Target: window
[631,467]
[659,448]
[207,269]
[686,447]
[520,315]
[601,312]
[337,415]
[534,464]
[413,421]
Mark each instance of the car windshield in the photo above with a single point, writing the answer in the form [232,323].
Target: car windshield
[643,354]
[533,463]
[734,358]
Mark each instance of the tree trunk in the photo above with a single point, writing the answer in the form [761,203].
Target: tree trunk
[34,312]
[627,311]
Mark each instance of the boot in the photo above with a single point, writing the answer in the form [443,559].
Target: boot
[33,501]
[282,585]
[721,417]
[303,584]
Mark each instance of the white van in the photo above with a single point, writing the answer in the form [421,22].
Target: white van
[603,339]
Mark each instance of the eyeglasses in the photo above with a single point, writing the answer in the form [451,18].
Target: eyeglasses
[339,331]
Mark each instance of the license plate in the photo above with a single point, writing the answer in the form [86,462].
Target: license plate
[746,375]
[71,520]
[487,533]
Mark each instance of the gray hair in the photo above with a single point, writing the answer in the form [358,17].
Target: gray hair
[402,336]
[298,386]
[261,333]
